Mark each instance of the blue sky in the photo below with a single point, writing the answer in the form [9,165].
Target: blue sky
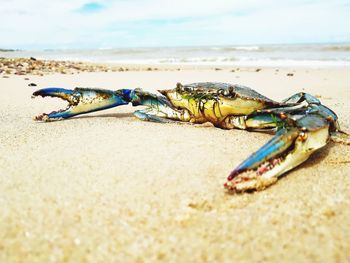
[55,24]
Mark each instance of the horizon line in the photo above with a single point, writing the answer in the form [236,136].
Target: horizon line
[5,49]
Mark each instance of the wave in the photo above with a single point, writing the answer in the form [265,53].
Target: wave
[8,50]
[238,48]
[301,54]
[266,63]
[238,62]
[340,48]
[197,60]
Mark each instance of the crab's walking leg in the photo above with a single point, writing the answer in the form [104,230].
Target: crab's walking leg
[340,137]
[255,121]
[80,101]
[150,115]
[300,97]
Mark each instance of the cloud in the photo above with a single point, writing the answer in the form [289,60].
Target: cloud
[37,24]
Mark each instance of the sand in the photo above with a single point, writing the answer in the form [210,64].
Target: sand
[107,187]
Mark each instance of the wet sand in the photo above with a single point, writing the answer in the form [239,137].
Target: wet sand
[106,187]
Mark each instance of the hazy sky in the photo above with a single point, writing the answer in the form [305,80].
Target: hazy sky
[40,24]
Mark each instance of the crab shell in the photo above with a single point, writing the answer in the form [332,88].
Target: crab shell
[213,102]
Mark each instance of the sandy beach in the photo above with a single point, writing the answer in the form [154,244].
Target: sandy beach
[107,187]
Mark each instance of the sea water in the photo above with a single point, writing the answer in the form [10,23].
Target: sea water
[314,55]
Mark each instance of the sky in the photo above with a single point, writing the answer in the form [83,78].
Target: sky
[84,24]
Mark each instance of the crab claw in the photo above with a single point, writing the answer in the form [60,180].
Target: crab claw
[80,101]
[290,147]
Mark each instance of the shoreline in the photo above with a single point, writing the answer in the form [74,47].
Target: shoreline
[76,66]
[260,55]
[33,66]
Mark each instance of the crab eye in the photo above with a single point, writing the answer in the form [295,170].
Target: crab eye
[224,92]
[188,88]
[231,91]
[179,86]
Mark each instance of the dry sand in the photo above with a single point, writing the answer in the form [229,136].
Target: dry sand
[107,187]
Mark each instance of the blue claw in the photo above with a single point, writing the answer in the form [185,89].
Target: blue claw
[80,101]
[54,92]
[277,145]
[290,147]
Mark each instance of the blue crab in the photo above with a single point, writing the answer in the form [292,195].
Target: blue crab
[301,123]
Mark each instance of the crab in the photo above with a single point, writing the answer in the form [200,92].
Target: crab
[301,123]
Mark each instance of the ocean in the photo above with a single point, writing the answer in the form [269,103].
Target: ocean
[309,55]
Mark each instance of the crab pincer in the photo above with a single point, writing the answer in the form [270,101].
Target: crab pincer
[80,101]
[290,147]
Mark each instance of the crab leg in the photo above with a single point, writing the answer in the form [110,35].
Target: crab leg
[80,101]
[256,122]
[300,97]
